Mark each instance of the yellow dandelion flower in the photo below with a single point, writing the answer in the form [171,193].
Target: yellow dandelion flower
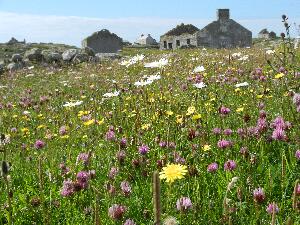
[206,148]
[172,172]
[279,75]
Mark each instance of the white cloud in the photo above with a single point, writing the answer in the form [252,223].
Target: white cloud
[72,29]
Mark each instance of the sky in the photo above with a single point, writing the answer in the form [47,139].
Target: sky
[70,21]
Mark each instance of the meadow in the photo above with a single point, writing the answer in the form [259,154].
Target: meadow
[80,144]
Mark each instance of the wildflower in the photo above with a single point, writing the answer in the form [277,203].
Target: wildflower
[196,117]
[279,75]
[170,221]
[111,94]
[199,85]
[244,84]
[190,110]
[169,113]
[199,69]
[272,207]
[123,143]
[206,148]
[63,130]
[230,165]
[172,172]
[224,144]
[297,154]
[217,131]
[39,144]
[157,64]
[72,104]
[183,204]
[224,111]
[259,195]
[125,187]
[121,156]
[143,149]
[68,188]
[116,211]
[82,179]
[84,157]
[279,134]
[113,172]
[129,222]
[212,167]
[296,99]
[227,132]
[110,135]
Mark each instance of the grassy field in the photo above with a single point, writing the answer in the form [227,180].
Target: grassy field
[80,144]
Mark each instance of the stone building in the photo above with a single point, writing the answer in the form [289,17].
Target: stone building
[223,33]
[146,40]
[265,34]
[103,42]
[13,41]
[181,36]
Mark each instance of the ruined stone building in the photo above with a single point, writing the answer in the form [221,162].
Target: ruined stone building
[223,33]
[181,36]
[103,42]
[265,34]
[146,40]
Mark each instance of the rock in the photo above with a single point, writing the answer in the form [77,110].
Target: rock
[12,67]
[89,51]
[34,54]
[81,57]
[69,54]
[51,57]
[107,56]
[16,58]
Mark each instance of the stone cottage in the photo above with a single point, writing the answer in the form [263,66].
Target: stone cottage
[103,42]
[265,34]
[181,36]
[223,33]
[146,40]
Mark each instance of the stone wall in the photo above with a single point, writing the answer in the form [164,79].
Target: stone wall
[103,42]
[183,41]
[224,34]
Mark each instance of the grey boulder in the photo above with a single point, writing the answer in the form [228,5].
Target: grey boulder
[69,54]
[34,54]
[16,58]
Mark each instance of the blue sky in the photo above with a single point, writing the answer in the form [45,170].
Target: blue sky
[69,21]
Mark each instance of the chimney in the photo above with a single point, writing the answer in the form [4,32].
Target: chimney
[223,14]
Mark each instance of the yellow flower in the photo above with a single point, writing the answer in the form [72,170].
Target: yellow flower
[41,126]
[14,116]
[84,136]
[146,126]
[100,121]
[196,117]
[83,113]
[260,96]
[279,75]
[237,90]
[169,113]
[151,100]
[89,122]
[172,172]
[241,109]
[206,147]
[65,137]
[190,110]
[179,119]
